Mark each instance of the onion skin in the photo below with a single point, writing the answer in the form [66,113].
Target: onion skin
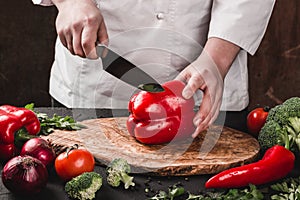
[24,175]
[40,149]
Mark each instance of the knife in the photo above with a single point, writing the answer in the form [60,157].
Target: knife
[126,71]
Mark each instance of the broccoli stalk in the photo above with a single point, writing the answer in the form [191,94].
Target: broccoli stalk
[84,186]
[118,171]
[282,126]
[295,123]
[293,129]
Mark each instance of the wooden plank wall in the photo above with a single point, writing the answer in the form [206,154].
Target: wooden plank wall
[275,68]
[27,37]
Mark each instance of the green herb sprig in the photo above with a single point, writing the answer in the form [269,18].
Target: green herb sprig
[287,189]
[173,191]
[49,124]
[251,193]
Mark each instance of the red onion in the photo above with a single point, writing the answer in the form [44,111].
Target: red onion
[24,175]
[40,149]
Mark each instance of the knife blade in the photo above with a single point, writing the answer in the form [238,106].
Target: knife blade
[126,71]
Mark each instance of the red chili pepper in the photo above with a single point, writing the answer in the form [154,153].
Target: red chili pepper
[12,120]
[276,163]
[158,118]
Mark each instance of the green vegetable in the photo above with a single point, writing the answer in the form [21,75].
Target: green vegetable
[287,189]
[118,171]
[84,186]
[282,126]
[57,122]
[246,194]
[251,193]
[49,124]
[173,192]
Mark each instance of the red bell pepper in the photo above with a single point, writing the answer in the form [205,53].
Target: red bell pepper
[160,117]
[12,120]
[276,163]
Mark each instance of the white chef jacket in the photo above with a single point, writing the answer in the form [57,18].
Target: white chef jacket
[161,37]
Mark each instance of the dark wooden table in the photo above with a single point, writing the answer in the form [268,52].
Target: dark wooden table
[55,186]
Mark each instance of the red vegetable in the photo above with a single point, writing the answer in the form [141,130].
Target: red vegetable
[74,162]
[24,175]
[7,151]
[275,164]
[13,120]
[40,149]
[256,120]
[161,117]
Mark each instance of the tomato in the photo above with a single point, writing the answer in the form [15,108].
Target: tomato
[256,120]
[72,163]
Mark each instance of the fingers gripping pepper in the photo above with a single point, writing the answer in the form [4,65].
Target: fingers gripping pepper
[161,117]
[13,119]
[276,163]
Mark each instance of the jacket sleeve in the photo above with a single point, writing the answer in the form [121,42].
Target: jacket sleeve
[241,22]
[42,2]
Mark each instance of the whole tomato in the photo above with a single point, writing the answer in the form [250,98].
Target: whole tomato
[74,162]
[256,120]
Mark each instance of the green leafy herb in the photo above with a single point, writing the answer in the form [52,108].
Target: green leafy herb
[199,196]
[57,122]
[287,189]
[49,124]
[30,106]
[251,193]
[246,194]
[173,192]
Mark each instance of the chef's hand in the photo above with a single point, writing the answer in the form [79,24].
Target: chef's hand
[80,25]
[207,73]
[203,74]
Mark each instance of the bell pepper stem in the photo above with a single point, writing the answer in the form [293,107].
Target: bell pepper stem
[21,137]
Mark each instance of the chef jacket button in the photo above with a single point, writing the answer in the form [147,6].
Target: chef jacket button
[160,16]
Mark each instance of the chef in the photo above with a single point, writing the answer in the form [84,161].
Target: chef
[201,42]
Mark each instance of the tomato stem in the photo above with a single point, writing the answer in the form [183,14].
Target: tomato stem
[266,108]
[75,146]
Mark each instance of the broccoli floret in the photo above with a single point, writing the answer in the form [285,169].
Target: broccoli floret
[84,186]
[282,126]
[118,171]
[270,135]
[281,113]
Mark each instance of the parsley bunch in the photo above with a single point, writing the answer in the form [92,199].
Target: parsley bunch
[49,124]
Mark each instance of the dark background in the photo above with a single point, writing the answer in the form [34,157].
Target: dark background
[27,37]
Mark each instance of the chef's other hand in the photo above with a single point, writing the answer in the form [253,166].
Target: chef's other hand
[203,74]
[80,25]
[207,73]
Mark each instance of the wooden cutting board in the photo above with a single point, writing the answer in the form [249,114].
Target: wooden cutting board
[213,151]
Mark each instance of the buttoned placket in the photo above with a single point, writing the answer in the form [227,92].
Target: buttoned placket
[162,9]
[160,16]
